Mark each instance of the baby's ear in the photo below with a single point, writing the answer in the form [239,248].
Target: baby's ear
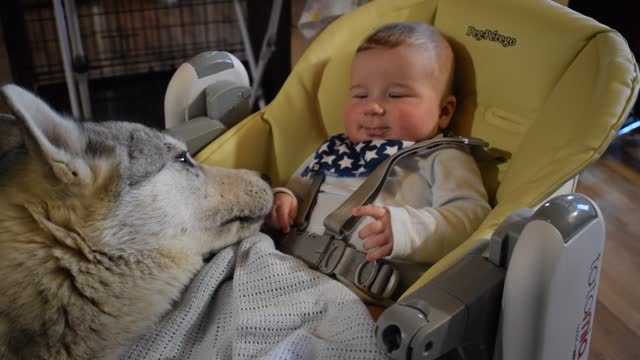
[447,108]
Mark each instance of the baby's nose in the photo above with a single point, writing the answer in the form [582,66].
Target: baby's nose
[374,108]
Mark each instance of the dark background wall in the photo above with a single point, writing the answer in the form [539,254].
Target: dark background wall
[133,48]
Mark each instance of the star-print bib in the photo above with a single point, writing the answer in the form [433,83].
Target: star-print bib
[340,157]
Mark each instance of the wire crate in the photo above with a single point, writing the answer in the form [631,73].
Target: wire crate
[132,37]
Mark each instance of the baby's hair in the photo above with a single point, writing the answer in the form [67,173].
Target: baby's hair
[414,34]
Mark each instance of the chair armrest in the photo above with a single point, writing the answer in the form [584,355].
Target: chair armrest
[552,281]
[543,268]
[456,311]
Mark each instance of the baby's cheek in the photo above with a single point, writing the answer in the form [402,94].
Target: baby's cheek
[414,124]
[350,114]
[407,120]
[351,121]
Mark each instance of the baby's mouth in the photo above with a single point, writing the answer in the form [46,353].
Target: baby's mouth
[376,131]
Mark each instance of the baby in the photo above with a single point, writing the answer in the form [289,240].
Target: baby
[401,93]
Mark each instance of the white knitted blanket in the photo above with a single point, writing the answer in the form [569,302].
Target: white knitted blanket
[251,301]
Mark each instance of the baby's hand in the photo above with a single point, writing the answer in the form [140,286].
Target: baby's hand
[283,212]
[377,234]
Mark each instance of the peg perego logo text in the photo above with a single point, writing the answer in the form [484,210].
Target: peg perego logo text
[583,332]
[491,35]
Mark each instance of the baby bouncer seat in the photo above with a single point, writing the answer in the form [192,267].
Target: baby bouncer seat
[547,88]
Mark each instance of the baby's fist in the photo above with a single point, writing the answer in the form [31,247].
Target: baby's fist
[283,212]
[377,234]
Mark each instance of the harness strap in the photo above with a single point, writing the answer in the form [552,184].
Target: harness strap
[309,201]
[374,281]
[341,223]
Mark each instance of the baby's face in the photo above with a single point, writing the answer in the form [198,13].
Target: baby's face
[395,94]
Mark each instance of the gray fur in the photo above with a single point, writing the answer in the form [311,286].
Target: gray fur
[101,227]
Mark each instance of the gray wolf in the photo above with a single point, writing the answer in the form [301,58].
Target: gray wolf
[102,225]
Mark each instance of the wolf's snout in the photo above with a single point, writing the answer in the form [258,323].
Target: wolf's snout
[248,198]
[245,193]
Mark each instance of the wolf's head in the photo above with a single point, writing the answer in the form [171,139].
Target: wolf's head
[118,187]
[101,227]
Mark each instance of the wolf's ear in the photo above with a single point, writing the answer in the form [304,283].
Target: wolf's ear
[47,134]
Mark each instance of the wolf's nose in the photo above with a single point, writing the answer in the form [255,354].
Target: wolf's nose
[266,178]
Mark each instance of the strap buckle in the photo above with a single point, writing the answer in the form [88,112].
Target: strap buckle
[306,246]
[321,252]
[373,281]
[331,256]
[377,278]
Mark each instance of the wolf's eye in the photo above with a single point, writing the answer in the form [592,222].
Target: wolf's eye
[184,158]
